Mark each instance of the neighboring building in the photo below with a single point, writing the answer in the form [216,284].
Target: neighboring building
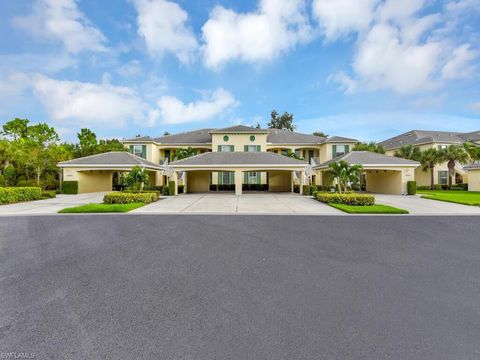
[473,177]
[433,139]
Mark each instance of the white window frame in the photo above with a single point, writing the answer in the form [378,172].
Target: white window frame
[138,150]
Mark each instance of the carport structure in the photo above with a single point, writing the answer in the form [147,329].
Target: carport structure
[95,173]
[383,174]
[197,169]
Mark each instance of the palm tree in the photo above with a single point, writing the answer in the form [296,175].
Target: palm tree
[344,174]
[429,159]
[293,155]
[453,154]
[184,153]
[473,151]
[336,171]
[409,152]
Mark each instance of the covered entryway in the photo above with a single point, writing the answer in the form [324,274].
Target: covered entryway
[96,173]
[383,174]
[271,172]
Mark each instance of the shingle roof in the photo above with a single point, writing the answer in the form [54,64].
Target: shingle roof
[472,167]
[239,129]
[139,138]
[280,136]
[368,158]
[417,137]
[121,158]
[340,139]
[239,158]
[201,136]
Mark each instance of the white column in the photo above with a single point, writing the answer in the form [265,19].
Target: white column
[238,182]
[185,182]
[302,181]
[292,178]
[175,179]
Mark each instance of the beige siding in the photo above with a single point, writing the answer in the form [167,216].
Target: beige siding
[239,141]
[474,180]
[280,181]
[198,181]
[94,181]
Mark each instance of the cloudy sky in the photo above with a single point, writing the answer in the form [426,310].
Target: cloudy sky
[362,68]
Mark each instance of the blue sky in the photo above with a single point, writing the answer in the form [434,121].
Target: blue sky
[361,68]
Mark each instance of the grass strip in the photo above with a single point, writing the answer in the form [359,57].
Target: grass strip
[471,198]
[101,208]
[370,209]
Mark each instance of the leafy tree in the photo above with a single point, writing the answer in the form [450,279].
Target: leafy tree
[454,154]
[344,174]
[166,133]
[87,143]
[284,121]
[10,175]
[409,152]
[292,154]
[258,126]
[370,146]
[429,159]
[16,128]
[109,145]
[320,133]
[136,178]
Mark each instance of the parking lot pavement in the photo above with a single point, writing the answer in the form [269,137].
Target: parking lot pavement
[240,287]
[50,206]
[418,206]
[248,203]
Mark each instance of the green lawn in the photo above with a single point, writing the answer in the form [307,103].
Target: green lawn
[371,209]
[455,196]
[101,208]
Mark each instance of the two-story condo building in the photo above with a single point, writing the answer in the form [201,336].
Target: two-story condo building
[433,139]
[239,158]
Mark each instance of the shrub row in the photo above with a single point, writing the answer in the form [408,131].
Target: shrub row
[309,189]
[130,197]
[70,187]
[48,194]
[9,195]
[347,199]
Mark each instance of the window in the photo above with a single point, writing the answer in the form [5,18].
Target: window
[251,177]
[139,150]
[298,153]
[226,138]
[226,148]
[338,150]
[251,148]
[443,177]
[284,152]
[226,178]
[442,147]
[252,138]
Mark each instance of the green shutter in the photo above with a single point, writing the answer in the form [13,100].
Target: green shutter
[347,148]
[259,177]
[131,149]
[245,147]
[245,177]
[219,178]
[232,148]
[334,151]
[219,148]
[144,151]
[259,148]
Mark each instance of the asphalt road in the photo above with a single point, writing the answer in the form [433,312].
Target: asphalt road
[240,287]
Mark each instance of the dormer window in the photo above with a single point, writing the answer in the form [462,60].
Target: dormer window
[339,150]
[139,150]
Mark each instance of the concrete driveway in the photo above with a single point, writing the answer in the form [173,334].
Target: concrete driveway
[50,206]
[418,206]
[253,203]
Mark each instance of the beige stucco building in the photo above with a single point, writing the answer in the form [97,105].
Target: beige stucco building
[239,159]
[433,139]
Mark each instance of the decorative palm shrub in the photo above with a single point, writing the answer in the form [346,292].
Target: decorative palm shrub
[344,174]
[136,178]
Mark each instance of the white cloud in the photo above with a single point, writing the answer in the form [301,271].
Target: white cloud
[402,51]
[338,18]
[277,26]
[61,20]
[163,26]
[88,103]
[173,111]
[132,68]
[459,64]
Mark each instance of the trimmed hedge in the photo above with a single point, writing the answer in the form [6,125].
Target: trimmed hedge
[313,188]
[306,189]
[10,195]
[171,188]
[70,187]
[411,187]
[129,197]
[49,194]
[347,199]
